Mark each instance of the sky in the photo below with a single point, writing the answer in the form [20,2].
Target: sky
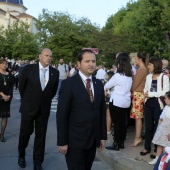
[96,10]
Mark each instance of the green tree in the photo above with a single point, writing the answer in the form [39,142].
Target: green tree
[17,41]
[65,35]
[145,23]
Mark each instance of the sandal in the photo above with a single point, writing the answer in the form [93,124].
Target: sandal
[137,141]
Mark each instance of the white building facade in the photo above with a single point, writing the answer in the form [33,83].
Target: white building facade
[14,11]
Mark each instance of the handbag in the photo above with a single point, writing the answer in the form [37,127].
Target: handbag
[162,98]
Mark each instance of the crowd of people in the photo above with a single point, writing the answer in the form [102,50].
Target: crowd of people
[93,102]
[146,91]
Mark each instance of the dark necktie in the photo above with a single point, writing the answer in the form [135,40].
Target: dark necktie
[89,90]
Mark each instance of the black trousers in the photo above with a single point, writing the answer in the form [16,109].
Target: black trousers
[16,82]
[80,159]
[26,129]
[118,116]
[151,115]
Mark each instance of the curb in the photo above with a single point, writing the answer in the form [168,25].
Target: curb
[120,161]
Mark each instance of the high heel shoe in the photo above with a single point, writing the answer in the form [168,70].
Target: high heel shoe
[137,141]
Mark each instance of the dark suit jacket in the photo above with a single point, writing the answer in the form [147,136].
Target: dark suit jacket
[32,96]
[79,122]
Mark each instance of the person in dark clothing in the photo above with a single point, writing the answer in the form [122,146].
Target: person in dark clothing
[6,93]
[37,86]
[81,116]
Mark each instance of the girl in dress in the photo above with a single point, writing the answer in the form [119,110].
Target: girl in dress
[163,129]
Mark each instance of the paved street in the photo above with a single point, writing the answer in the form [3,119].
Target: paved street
[53,160]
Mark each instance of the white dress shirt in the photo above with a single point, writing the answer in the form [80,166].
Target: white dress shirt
[101,74]
[41,73]
[72,71]
[121,94]
[83,77]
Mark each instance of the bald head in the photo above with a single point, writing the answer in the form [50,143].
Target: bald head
[45,57]
[45,49]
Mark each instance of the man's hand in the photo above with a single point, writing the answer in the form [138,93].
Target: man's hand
[6,98]
[102,145]
[63,149]
[168,137]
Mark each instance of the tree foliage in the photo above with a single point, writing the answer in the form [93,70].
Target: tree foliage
[64,35]
[147,24]
[142,25]
[16,41]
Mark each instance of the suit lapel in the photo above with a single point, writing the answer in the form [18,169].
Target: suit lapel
[37,76]
[95,88]
[81,84]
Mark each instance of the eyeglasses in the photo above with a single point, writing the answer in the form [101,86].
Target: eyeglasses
[166,73]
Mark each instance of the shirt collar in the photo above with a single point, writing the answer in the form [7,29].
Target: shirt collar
[40,66]
[84,77]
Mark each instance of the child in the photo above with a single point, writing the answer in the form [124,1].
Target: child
[163,129]
[107,95]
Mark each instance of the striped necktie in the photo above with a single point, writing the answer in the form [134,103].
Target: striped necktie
[89,90]
[43,78]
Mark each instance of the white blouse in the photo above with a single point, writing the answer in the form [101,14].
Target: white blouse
[160,91]
[121,94]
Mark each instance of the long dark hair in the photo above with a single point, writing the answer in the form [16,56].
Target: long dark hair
[123,64]
[110,74]
[144,57]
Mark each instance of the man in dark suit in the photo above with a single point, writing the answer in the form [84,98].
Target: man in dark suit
[37,85]
[81,115]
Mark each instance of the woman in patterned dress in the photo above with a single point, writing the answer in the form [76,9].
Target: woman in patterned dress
[6,93]
[137,95]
